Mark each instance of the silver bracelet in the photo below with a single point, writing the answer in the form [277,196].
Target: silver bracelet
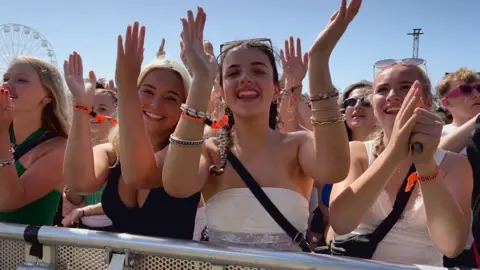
[180,142]
[6,163]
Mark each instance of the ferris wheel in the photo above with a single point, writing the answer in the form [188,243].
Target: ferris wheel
[17,40]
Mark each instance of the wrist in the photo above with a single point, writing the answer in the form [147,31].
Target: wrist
[426,168]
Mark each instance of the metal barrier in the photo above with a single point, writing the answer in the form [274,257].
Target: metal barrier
[77,249]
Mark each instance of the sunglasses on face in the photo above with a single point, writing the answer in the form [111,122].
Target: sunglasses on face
[464,90]
[352,102]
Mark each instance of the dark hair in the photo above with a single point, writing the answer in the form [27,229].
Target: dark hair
[225,140]
[346,93]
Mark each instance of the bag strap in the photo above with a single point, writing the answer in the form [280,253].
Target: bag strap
[398,207]
[258,192]
[21,150]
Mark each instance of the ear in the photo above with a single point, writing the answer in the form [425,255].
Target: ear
[46,100]
[444,102]
[276,93]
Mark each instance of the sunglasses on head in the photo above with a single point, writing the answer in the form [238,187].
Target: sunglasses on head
[232,44]
[407,61]
[464,90]
[352,102]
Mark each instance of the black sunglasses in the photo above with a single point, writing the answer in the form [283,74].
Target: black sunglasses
[352,102]
[232,44]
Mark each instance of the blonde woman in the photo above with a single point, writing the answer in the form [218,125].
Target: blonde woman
[34,124]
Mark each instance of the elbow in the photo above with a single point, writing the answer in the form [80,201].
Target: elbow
[336,173]
[174,188]
[454,249]
[340,220]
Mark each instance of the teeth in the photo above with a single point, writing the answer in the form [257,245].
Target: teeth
[249,93]
[154,116]
[392,110]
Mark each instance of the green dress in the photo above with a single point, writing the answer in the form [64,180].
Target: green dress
[39,212]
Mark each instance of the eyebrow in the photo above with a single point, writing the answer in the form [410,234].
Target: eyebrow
[169,91]
[252,64]
[24,74]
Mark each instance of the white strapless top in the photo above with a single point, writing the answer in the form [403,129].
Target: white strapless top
[236,217]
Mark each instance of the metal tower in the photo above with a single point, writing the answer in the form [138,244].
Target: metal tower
[416,40]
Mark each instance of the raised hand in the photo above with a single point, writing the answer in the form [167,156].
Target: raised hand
[73,72]
[161,51]
[129,58]
[111,86]
[331,34]
[294,64]
[203,65]
[427,132]
[405,122]
[6,108]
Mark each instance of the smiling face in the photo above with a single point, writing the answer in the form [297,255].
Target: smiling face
[358,110]
[390,88]
[162,92]
[249,81]
[104,103]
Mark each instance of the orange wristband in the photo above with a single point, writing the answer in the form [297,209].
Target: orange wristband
[100,118]
[414,177]
[213,124]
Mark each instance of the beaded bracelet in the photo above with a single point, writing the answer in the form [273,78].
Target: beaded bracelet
[203,118]
[414,177]
[324,96]
[7,162]
[184,143]
[334,120]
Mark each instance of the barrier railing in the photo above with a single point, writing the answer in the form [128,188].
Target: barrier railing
[77,249]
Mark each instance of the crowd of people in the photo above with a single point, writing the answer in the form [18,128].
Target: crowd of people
[229,149]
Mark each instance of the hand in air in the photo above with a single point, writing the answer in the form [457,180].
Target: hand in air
[161,51]
[427,131]
[73,71]
[203,65]
[129,58]
[294,64]
[111,86]
[7,108]
[331,34]
[405,121]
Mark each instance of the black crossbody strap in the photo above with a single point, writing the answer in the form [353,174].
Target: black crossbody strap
[258,192]
[25,148]
[398,207]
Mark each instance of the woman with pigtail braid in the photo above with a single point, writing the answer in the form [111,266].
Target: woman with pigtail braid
[283,164]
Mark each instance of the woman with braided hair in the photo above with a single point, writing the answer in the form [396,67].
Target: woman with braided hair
[283,164]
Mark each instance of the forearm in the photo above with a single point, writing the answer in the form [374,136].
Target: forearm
[331,140]
[289,108]
[447,224]
[139,167]
[10,186]
[78,170]
[182,163]
[348,209]
[456,141]
[93,210]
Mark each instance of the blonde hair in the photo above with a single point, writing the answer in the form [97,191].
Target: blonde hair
[463,75]
[159,63]
[377,136]
[57,114]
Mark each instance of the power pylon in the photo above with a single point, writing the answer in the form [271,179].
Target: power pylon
[416,40]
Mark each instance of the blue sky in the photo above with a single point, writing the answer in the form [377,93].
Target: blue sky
[380,30]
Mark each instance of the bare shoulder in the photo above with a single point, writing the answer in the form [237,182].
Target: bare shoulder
[456,164]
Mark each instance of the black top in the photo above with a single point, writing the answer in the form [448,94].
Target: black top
[161,215]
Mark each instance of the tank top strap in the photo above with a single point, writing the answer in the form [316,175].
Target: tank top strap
[369,148]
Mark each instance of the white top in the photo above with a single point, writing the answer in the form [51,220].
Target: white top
[408,242]
[236,217]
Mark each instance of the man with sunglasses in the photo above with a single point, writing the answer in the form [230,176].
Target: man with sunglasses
[459,93]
